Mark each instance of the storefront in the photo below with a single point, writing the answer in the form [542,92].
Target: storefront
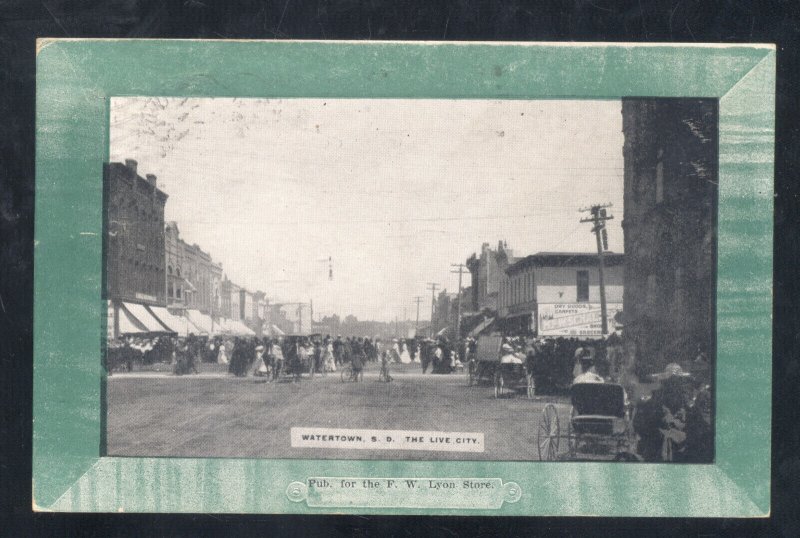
[133,319]
[575,320]
[519,324]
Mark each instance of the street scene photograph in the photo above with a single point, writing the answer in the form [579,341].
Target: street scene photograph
[411,279]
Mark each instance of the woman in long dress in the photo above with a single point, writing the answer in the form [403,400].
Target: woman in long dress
[405,357]
[222,355]
[328,360]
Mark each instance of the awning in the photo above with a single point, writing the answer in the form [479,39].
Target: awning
[128,324]
[277,331]
[177,324]
[234,327]
[199,320]
[518,315]
[144,317]
[223,326]
[481,326]
[441,333]
[242,329]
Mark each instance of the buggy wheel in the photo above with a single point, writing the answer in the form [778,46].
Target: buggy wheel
[549,434]
[572,438]
[530,389]
[499,385]
[346,374]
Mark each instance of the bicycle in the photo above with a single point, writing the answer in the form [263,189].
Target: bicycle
[348,374]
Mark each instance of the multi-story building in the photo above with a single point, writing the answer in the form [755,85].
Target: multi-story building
[247,306]
[555,294]
[487,271]
[261,322]
[192,277]
[133,249]
[670,226]
[134,235]
[231,300]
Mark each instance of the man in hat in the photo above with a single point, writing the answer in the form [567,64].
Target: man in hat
[588,372]
[507,355]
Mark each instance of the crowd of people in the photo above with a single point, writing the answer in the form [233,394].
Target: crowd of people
[672,410]
[272,356]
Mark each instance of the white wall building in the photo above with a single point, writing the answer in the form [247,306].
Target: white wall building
[558,294]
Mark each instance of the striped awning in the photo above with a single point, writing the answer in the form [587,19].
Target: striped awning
[144,317]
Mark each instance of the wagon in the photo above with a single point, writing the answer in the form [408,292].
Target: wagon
[306,366]
[599,428]
[484,367]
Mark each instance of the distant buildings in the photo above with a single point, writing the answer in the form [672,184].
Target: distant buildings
[671,177]
[556,294]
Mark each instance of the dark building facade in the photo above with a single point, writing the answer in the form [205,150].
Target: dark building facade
[670,226]
[134,221]
[487,270]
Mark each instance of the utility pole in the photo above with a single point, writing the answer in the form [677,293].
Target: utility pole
[598,219]
[460,272]
[300,318]
[433,287]
[417,300]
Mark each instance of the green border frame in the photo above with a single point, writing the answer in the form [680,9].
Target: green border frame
[75,79]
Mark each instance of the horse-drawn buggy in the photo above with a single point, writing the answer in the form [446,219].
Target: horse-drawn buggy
[299,362]
[487,366]
[600,426]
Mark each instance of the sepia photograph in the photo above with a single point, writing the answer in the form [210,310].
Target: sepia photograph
[411,279]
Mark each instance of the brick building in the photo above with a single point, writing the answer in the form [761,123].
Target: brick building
[133,249]
[135,235]
[670,208]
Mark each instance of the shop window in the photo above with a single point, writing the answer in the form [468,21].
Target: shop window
[583,286]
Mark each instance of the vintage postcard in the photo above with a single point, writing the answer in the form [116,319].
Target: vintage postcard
[403,278]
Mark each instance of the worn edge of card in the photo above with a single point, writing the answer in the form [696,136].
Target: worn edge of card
[69,475]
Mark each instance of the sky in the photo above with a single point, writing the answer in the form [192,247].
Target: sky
[394,191]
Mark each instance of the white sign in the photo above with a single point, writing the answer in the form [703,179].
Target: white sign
[575,319]
[387,439]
